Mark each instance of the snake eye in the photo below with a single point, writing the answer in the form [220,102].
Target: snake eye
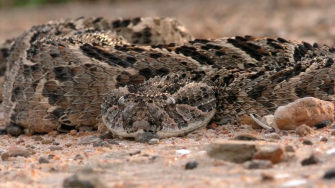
[121,101]
[170,100]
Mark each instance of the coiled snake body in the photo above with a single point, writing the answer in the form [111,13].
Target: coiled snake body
[148,75]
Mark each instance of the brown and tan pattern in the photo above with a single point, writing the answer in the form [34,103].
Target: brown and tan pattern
[60,72]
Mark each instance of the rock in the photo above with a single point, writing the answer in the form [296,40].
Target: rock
[68,144]
[324,139]
[272,136]
[266,176]
[191,165]
[307,142]
[101,143]
[51,156]
[114,142]
[330,174]
[323,124]
[43,160]
[87,178]
[246,137]
[309,111]
[53,133]
[5,156]
[212,126]
[310,160]
[16,152]
[258,164]
[88,140]
[55,143]
[134,152]
[86,128]
[54,148]
[268,120]
[284,133]
[333,133]
[232,150]
[46,141]
[289,148]
[304,130]
[73,132]
[145,137]
[153,141]
[37,138]
[78,157]
[273,153]
[106,135]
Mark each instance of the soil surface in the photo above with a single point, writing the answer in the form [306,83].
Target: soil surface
[82,158]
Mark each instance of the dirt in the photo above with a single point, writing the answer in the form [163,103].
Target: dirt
[126,163]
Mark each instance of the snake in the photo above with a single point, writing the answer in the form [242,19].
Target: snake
[149,75]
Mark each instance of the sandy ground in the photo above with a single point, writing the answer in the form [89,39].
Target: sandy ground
[126,163]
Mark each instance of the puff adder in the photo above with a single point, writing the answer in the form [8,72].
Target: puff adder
[149,75]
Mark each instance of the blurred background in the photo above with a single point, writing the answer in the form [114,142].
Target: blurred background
[301,20]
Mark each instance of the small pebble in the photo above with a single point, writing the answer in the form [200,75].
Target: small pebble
[246,137]
[273,136]
[81,133]
[56,143]
[46,141]
[106,135]
[324,139]
[73,132]
[113,142]
[37,138]
[258,164]
[304,130]
[53,133]
[19,141]
[100,143]
[5,156]
[74,181]
[330,174]
[78,157]
[30,146]
[212,126]
[310,160]
[90,129]
[153,141]
[87,178]
[191,165]
[289,148]
[333,133]
[16,151]
[135,152]
[88,140]
[68,144]
[54,148]
[267,176]
[43,160]
[273,153]
[307,142]
[154,158]
[284,133]
[145,137]
[51,156]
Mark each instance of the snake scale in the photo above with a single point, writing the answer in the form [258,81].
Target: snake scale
[149,75]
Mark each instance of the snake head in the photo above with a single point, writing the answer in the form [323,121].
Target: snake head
[167,114]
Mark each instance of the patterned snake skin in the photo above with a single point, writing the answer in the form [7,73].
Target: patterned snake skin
[70,74]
